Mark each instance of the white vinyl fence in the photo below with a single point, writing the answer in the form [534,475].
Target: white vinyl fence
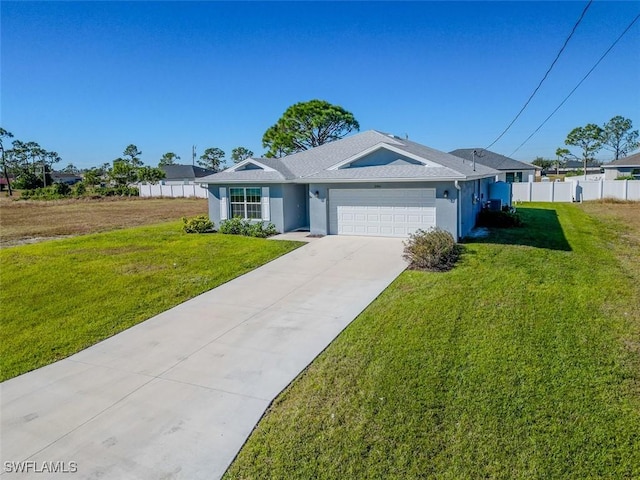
[576,190]
[148,190]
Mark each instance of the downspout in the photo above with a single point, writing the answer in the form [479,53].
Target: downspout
[457,185]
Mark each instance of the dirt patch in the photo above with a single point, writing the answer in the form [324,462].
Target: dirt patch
[32,221]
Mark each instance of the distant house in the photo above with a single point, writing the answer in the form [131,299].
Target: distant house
[623,167]
[511,171]
[184,174]
[577,165]
[68,178]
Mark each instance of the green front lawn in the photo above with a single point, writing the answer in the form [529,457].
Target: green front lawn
[522,362]
[59,297]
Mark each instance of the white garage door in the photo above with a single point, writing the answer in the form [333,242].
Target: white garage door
[381,212]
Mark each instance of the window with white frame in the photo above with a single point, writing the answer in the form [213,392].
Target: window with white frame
[246,202]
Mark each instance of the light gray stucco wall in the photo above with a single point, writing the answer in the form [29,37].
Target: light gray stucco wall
[446,208]
[276,212]
[472,195]
[295,206]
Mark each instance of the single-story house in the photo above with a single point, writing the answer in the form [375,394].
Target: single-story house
[511,171]
[623,167]
[370,183]
[63,177]
[577,166]
[183,174]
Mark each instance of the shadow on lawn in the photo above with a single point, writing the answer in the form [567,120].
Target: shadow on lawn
[541,229]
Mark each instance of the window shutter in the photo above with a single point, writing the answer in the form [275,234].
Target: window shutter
[223,203]
[265,204]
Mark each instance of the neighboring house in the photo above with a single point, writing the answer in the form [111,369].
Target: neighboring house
[183,174]
[370,183]
[577,166]
[623,167]
[68,178]
[511,171]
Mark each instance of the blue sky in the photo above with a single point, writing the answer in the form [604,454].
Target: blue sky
[88,78]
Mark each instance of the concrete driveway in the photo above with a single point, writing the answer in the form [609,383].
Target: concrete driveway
[177,396]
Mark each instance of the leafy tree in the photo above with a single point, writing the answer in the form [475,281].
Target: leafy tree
[542,163]
[123,172]
[562,155]
[133,153]
[239,154]
[212,158]
[589,139]
[4,134]
[150,174]
[306,125]
[92,177]
[71,168]
[168,158]
[619,138]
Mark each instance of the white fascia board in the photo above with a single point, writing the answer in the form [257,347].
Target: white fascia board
[386,146]
[247,161]
[246,182]
[381,180]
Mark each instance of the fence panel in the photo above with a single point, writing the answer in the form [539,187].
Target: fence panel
[175,191]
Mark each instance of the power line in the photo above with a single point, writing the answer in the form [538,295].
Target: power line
[544,77]
[579,83]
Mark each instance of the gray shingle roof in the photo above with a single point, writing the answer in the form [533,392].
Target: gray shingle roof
[492,159]
[182,172]
[314,164]
[630,161]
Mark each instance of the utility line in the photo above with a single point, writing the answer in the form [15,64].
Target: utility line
[579,83]
[544,77]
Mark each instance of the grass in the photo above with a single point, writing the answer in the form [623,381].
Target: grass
[26,221]
[522,362]
[61,296]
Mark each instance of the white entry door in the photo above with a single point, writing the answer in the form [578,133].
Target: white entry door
[381,212]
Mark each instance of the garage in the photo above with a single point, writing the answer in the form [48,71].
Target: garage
[381,212]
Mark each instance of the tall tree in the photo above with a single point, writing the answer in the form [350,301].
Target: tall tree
[168,158]
[619,138]
[589,139]
[306,125]
[133,153]
[4,134]
[562,154]
[71,168]
[212,158]
[239,154]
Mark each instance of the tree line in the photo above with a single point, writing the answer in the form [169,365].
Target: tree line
[616,136]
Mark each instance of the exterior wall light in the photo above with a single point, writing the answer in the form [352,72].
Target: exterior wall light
[445,194]
[317,194]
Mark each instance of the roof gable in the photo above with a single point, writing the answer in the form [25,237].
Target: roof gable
[249,164]
[379,155]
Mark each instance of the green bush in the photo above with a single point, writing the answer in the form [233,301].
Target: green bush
[625,177]
[434,250]
[233,226]
[199,224]
[248,228]
[43,193]
[491,219]
[79,189]
[61,189]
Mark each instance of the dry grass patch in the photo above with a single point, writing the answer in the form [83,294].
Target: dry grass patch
[26,221]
